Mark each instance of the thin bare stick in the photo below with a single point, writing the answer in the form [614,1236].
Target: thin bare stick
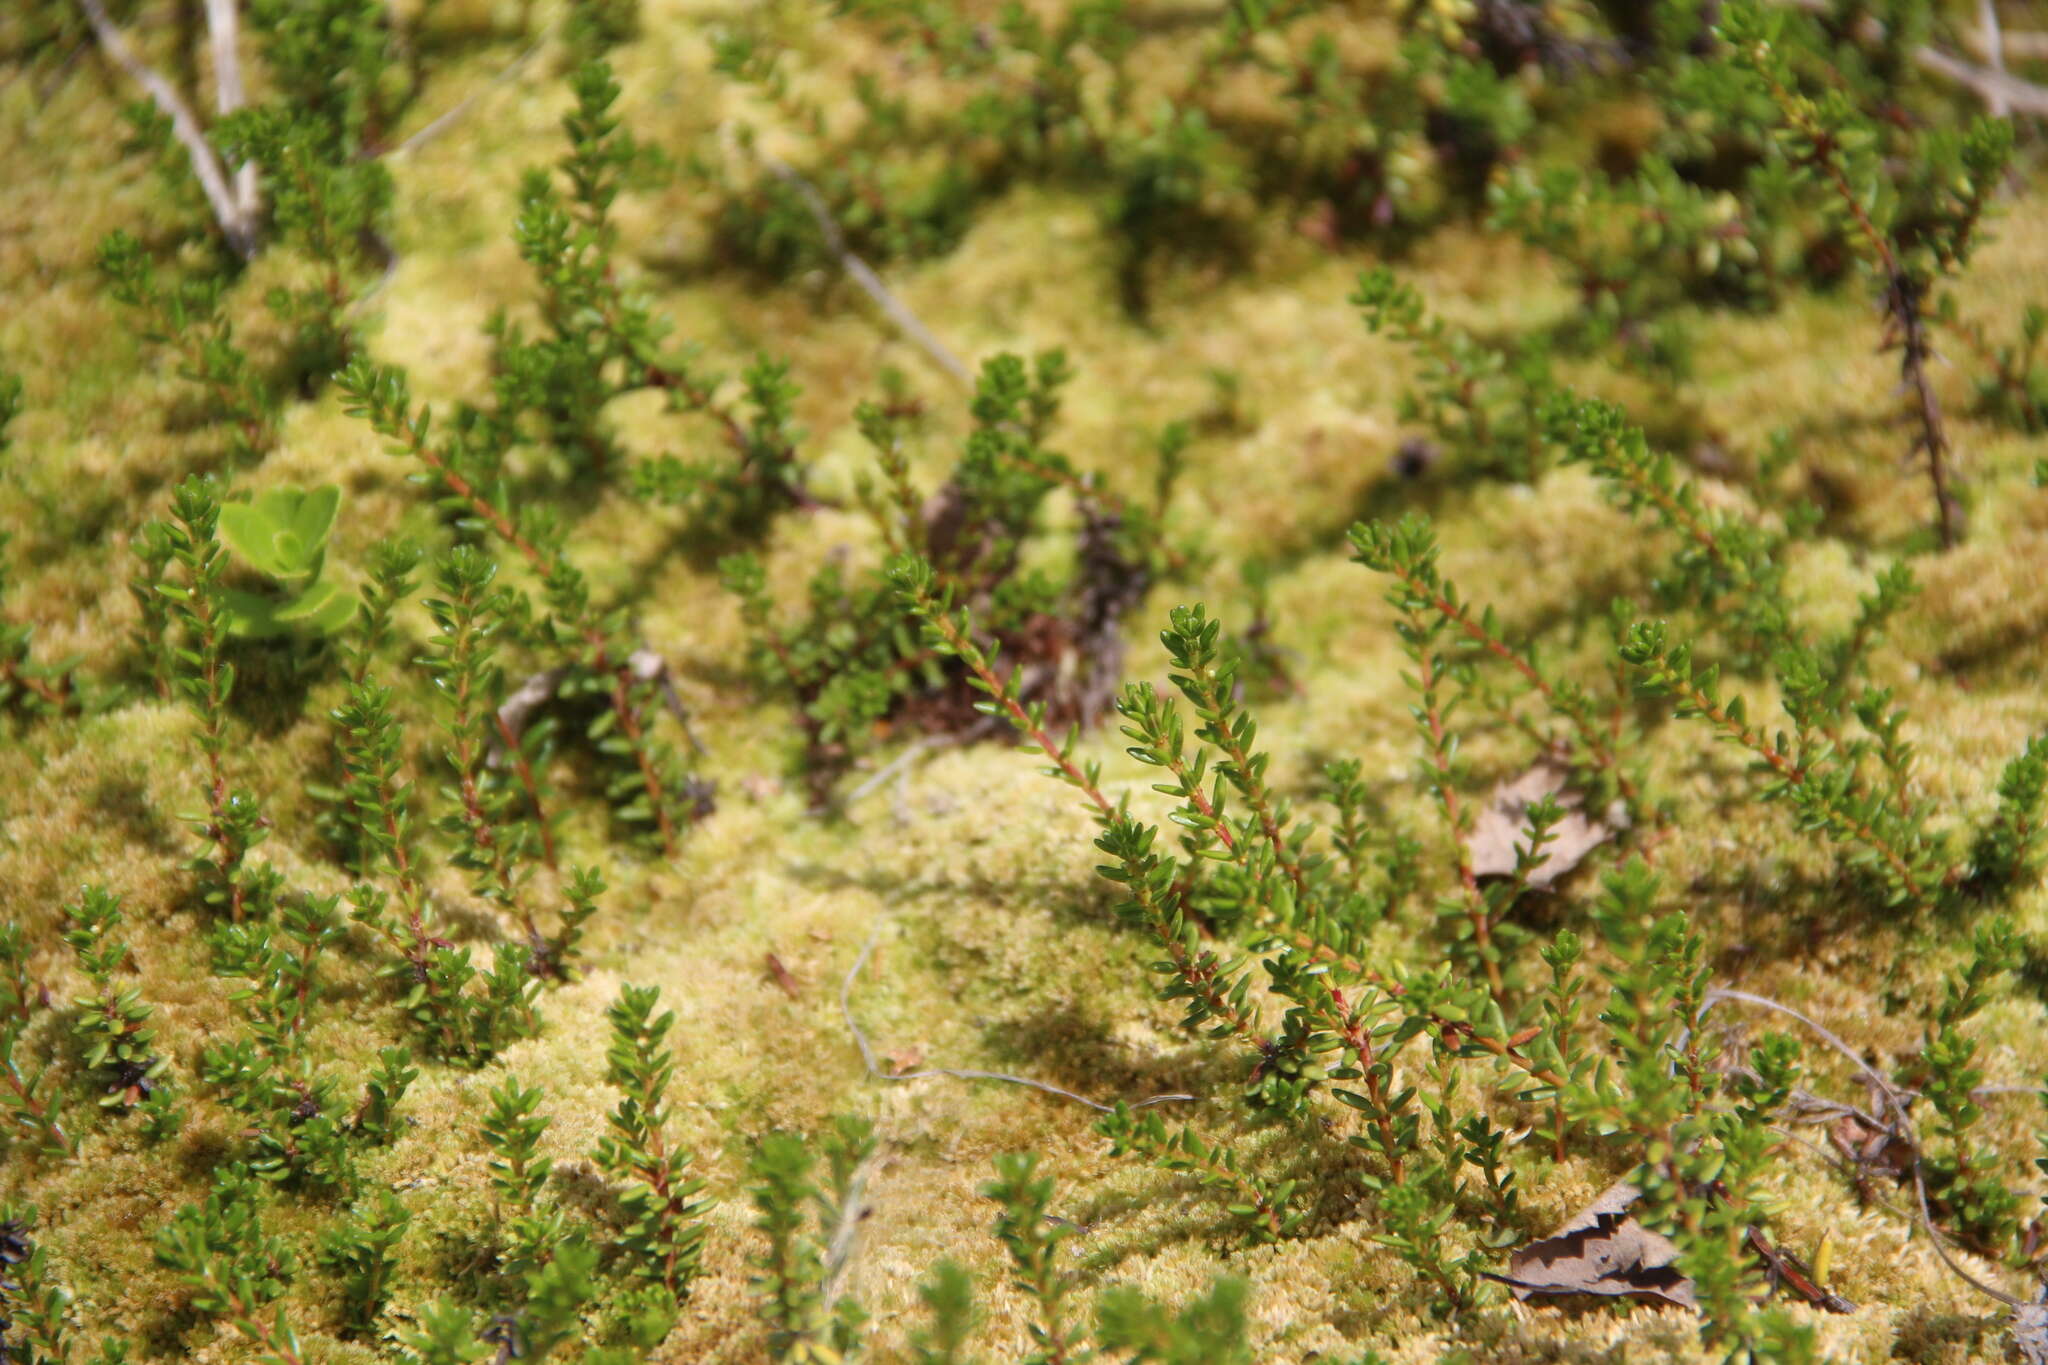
[2024,46]
[443,122]
[223,25]
[1993,87]
[1877,1082]
[863,275]
[898,764]
[236,225]
[2018,96]
[840,1246]
[867,1052]
[1940,1243]
[1994,42]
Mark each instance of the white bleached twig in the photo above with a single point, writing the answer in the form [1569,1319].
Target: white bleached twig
[223,25]
[2003,93]
[859,270]
[237,224]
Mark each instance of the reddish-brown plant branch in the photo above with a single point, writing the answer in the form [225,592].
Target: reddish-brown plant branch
[594,640]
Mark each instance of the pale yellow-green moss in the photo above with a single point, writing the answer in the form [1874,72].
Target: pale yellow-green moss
[971,873]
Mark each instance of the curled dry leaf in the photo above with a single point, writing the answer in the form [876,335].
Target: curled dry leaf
[1605,1252]
[903,1060]
[1503,826]
[1872,1148]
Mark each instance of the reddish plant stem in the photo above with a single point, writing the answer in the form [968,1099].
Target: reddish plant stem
[36,1109]
[593,638]
[1754,741]
[530,785]
[55,697]
[1589,734]
[1427,676]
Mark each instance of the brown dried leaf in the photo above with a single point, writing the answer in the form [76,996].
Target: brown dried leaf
[1871,1148]
[904,1059]
[1602,1251]
[1503,825]
[783,977]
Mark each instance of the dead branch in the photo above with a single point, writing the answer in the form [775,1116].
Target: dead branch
[863,274]
[1994,43]
[2024,46]
[222,26]
[237,222]
[1995,88]
[1902,304]
[442,122]
[867,1052]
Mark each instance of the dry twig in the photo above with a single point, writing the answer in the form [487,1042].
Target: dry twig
[867,1051]
[235,213]
[862,273]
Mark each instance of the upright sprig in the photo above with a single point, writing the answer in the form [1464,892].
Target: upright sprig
[329,203]
[1702,1157]
[1907,860]
[808,1324]
[667,799]
[512,1130]
[234,1269]
[461,659]
[1729,566]
[663,1235]
[948,1294]
[1437,639]
[394,562]
[533,1228]
[468,1015]
[1260,1204]
[188,316]
[294,1118]
[1210,1329]
[30,686]
[1961,1171]
[362,1249]
[1032,1238]
[1407,552]
[234,823]
[113,1024]
[2012,845]
[1483,402]
[151,640]
[280,963]
[1912,229]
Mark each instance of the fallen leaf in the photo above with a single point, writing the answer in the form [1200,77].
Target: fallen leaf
[904,1059]
[1871,1148]
[1602,1251]
[1503,825]
[783,977]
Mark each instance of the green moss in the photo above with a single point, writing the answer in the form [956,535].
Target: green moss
[971,873]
